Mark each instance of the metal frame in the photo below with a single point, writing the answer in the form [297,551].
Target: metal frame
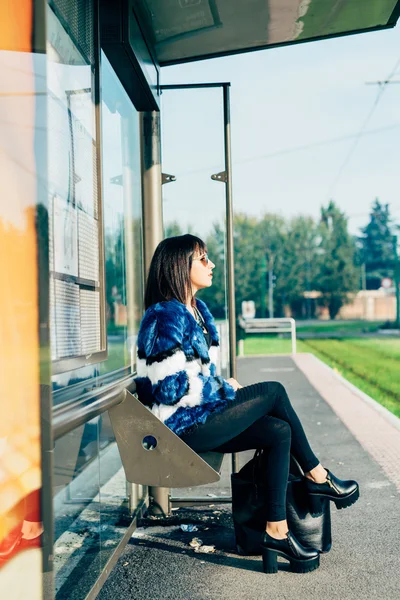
[69,417]
[182,501]
[152,223]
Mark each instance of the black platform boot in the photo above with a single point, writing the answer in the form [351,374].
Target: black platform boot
[342,493]
[302,560]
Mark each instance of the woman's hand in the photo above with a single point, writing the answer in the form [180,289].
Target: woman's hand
[235,384]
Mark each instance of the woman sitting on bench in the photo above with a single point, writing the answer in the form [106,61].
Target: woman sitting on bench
[176,366]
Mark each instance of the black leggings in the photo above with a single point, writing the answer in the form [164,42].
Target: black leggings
[261,416]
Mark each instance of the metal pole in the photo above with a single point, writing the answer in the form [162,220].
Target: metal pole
[271,293]
[308,282]
[263,285]
[230,248]
[151,184]
[293,332]
[396,280]
[152,235]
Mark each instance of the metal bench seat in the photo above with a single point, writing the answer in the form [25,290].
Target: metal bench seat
[153,455]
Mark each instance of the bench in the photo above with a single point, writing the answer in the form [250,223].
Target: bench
[153,455]
[279,325]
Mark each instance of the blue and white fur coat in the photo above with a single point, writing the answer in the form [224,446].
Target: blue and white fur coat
[176,372]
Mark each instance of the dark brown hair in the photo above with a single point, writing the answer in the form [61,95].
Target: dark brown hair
[169,273]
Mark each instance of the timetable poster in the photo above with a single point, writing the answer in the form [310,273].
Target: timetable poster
[84,149]
[65,237]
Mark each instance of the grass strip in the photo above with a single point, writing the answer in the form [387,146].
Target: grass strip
[382,347]
[368,388]
[371,379]
[379,369]
[270,345]
[354,327]
[380,373]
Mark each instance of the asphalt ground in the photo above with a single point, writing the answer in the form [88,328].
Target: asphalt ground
[364,562]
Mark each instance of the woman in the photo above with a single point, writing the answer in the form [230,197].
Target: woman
[176,366]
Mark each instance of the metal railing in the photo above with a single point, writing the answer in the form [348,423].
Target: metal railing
[280,325]
[66,419]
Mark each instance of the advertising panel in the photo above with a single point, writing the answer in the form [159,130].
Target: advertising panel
[21,530]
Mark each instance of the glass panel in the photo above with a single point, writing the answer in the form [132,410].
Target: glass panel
[76,286]
[201,28]
[90,505]
[193,150]
[122,218]
[115,516]
[77,526]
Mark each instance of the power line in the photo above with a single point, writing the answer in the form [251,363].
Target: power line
[295,149]
[381,90]
[384,82]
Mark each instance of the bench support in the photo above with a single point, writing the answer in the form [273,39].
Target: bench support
[153,455]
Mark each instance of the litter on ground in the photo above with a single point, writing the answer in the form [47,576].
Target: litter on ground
[189,527]
[205,549]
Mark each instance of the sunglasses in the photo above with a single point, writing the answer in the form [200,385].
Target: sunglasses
[204,259]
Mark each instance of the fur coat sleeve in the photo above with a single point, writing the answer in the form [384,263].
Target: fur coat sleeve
[176,373]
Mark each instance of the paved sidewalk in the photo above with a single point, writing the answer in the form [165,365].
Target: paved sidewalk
[364,562]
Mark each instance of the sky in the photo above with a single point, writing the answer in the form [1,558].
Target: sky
[307,127]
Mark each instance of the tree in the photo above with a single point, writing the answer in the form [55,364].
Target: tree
[172,229]
[214,296]
[337,276]
[115,270]
[247,257]
[300,265]
[247,254]
[272,235]
[376,245]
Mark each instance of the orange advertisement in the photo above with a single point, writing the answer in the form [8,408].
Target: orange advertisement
[20,454]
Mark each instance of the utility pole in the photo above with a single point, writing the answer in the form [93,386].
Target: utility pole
[263,290]
[396,273]
[271,293]
[308,281]
[363,277]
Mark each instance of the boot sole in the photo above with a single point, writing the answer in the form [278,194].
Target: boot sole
[340,503]
[270,563]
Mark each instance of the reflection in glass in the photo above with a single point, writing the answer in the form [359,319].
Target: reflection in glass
[77,526]
[122,219]
[184,29]
[90,505]
[74,225]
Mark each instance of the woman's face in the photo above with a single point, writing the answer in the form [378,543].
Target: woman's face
[201,271]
